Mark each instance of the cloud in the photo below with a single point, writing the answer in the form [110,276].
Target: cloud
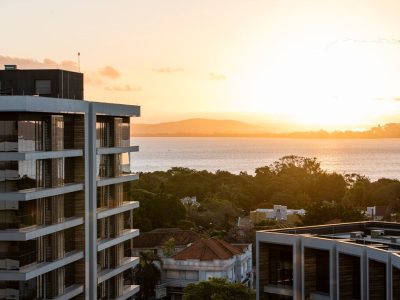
[124,88]
[92,79]
[215,76]
[29,63]
[110,72]
[168,70]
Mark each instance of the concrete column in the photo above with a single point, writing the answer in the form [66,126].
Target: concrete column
[92,203]
[333,265]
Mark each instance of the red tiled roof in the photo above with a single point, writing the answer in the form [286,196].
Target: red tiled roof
[158,237]
[208,249]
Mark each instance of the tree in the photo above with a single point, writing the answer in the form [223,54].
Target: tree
[326,212]
[169,247]
[147,274]
[217,289]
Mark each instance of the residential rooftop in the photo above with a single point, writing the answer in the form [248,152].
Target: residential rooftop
[208,249]
[158,237]
[382,235]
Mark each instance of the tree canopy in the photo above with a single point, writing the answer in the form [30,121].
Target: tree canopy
[294,181]
[217,289]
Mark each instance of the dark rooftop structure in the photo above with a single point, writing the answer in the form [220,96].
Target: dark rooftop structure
[53,83]
[158,237]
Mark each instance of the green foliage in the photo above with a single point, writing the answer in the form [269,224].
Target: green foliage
[156,210]
[217,289]
[169,247]
[147,274]
[297,182]
[326,212]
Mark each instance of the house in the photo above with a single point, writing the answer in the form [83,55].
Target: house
[190,201]
[204,259]
[376,213]
[156,239]
[277,213]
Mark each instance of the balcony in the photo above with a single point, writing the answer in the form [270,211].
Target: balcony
[105,212]
[36,193]
[126,234]
[32,270]
[32,232]
[181,283]
[21,156]
[70,292]
[129,291]
[115,180]
[282,290]
[117,150]
[11,260]
[127,263]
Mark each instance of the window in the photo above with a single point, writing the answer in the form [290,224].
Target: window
[43,87]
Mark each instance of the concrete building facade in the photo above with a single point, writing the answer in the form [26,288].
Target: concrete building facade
[341,261]
[65,221]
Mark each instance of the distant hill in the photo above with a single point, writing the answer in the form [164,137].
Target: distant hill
[197,127]
[219,128]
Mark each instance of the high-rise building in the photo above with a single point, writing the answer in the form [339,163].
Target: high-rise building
[65,218]
[339,261]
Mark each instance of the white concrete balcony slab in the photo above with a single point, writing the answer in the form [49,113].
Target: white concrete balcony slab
[181,283]
[116,180]
[279,290]
[129,291]
[34,270]
[31,194]
[127,263]
[7,156]
[33,232]
[126,235]
[117,110]
[117,150]
[107,212]
[42,104]
[70,292]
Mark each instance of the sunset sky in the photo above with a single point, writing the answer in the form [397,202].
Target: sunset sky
[291,64]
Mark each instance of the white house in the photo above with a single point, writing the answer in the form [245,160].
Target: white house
[204,259]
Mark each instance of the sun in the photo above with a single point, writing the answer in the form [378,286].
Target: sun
[341,86]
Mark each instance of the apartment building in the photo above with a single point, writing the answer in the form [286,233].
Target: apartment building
[65,219]
[342,261]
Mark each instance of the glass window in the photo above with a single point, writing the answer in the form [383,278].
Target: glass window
[30,135]
[8,136]
[280,265]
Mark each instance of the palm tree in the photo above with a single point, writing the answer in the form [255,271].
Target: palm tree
[147,274]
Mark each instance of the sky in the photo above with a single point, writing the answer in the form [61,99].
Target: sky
[288,64]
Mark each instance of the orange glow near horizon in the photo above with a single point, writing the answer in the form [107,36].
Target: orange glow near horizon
[288,64]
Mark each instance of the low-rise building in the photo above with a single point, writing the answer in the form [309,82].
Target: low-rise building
[190,201]
[376,213]
[205,259]
[358,260]
[277,213]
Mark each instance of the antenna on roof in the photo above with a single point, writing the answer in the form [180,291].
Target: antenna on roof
[79,62]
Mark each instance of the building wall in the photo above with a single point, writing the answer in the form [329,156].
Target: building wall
[355,271]
[45,163]
[64,84]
